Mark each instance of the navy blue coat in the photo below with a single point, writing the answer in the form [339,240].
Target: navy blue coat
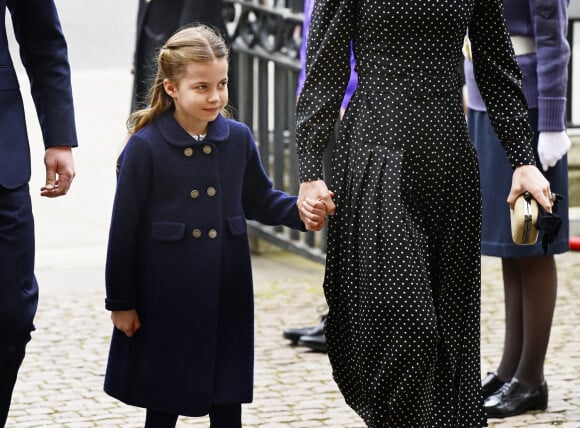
[43,52]
[178,252]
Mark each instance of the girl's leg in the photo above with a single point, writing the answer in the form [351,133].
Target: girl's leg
[157,419]
[513,339]
[225,416]
[530,298]
[540,283]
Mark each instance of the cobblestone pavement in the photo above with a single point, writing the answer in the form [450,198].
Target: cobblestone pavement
[60,383]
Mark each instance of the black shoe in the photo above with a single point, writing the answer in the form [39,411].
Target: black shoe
[490,384]
[294,334]
[316,342]
[515,398]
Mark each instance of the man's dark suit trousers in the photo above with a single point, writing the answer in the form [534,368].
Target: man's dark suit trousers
[18,288]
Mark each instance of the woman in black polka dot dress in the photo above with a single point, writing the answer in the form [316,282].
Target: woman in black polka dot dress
[403,268]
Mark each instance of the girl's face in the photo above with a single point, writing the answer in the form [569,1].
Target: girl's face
[200,95]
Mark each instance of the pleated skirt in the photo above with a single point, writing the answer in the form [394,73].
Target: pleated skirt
[496,176]
[402,278]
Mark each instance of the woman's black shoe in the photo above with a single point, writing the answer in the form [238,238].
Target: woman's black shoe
[515,398]
[490,384]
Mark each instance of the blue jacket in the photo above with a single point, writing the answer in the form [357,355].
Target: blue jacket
[43,52]
[545,72]
[44,55]
[178,252]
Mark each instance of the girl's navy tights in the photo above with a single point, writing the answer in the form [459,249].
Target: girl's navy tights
[220,416]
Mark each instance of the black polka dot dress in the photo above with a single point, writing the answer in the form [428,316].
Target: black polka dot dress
[403,267]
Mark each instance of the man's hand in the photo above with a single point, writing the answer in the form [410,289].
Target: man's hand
[60,171]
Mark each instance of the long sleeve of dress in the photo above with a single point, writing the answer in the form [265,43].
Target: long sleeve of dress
[352,83]
[499,80]
[327,77]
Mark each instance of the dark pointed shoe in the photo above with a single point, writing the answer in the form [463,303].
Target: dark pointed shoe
[316,342]
[294,334]
[490,384]
[515,398]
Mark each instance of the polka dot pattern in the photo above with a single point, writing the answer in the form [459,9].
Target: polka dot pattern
[403,265]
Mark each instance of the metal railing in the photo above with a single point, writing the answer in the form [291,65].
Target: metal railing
[266,37]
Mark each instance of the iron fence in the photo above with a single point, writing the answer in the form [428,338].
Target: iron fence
[266,38]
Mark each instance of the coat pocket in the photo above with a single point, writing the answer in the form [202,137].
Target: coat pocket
[167,232]
[237,225]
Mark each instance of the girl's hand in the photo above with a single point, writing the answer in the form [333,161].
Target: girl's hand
[314,195]
[126,321]
[529,178]
[314,211]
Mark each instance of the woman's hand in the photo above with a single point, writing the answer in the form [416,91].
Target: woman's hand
[529,178]
[314,204]
[126,321]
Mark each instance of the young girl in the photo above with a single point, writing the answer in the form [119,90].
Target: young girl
[178,273]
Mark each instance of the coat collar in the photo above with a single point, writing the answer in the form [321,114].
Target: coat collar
[174,134]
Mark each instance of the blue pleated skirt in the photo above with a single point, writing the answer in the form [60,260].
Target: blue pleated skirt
[496,176]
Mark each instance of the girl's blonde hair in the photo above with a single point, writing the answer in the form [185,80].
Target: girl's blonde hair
[198,43]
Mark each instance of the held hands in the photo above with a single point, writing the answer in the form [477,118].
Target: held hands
[529,178]
[59,171]
[126,321]
[314,204]
[552,146]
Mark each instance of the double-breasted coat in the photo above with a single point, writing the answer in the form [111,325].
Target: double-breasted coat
[178,252]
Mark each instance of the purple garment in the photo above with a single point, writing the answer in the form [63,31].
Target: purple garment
[308,6]
[545,72]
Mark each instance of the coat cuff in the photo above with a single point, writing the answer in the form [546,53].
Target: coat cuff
[119,305]
[551,114]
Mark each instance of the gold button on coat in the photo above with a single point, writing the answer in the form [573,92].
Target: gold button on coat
[188,151]
[211,191]
[207,149]
[194,193]
[196,233]
[212,233]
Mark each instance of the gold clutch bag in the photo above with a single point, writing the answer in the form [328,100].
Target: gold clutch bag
[524,219]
